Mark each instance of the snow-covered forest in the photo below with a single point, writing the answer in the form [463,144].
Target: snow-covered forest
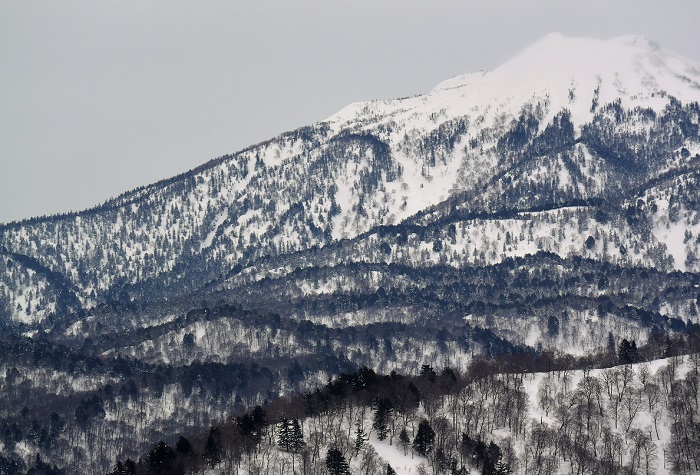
[497,276]
[632,418]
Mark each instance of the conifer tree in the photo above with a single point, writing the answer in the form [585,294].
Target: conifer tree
[360,437]
[289,435]
[382,416]
[183,446]
[283,438]
[336,463]
[425,437]
[404,439]
[212,448]
[296,438]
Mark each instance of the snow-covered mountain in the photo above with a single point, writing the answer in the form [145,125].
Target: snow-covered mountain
[494,164]
[542,215]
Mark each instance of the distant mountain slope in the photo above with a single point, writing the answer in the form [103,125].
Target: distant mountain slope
[567,122]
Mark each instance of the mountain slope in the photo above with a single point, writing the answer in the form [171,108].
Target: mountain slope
[567,119]
[543,215]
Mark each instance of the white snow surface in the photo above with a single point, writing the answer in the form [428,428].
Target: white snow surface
[632,68]
[643,419]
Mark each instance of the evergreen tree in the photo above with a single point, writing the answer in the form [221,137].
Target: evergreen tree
[425,437]
[289,435]
[404,439]
[283,437]
[492,461]
[336,463]
[553,326]
[126,468]
[382,416]
[502,468]
[611,343]
[627,353]
[296,438]
[389,470]
[160,459]
[259,417]
[89,409]
[212,448]
[42,468]
[360,437]
[427,371]
[129,467]
[183,446]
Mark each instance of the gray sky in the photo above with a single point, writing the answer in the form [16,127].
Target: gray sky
[99,97]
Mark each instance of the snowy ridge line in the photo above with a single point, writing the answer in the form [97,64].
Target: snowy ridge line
[692,168]
[66,287]
[386,162]
[412,227]
[137,194]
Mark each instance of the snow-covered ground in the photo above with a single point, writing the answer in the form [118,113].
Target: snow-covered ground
[638,422]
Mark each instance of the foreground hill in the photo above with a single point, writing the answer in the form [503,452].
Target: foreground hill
[635,418]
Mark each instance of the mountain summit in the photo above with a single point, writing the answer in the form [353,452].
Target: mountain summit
[567,121]
[567,72]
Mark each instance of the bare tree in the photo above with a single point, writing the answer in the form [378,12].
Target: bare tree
[631,404]
[545,393]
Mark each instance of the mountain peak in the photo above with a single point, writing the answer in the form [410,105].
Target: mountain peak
[565,44]
[581,56]
[570,72]
[637,41]
[559,40]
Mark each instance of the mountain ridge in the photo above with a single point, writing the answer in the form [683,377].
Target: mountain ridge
[385,162]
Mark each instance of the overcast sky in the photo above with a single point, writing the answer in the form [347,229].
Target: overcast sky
[100,97]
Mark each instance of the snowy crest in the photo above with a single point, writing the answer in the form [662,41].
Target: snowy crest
[573,72]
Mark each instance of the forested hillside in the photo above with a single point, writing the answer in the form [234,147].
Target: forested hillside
[501,275]
[493,419]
